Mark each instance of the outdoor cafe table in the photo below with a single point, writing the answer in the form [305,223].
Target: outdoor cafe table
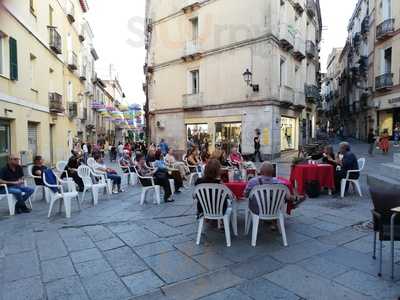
[303,173]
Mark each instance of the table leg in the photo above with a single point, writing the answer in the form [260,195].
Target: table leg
[329,192]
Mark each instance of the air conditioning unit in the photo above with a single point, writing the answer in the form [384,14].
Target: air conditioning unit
[160,124]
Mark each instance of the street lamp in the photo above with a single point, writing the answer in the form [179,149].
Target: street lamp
[248,78]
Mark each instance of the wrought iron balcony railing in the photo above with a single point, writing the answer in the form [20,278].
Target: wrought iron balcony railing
[55,40]
[311,49]
[385,29]
[384,82]
[56,105]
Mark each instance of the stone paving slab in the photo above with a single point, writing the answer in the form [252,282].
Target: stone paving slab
[142,283]
[92,267]
[228,294]
[153,249]
[57,268]
[260,289]
[69,288]
[255,267]
[124,261]
[27,288]
[19,266]
[109,244]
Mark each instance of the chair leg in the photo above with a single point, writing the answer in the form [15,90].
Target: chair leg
[234,219]
[374,252]
[158,194]
[67,205]
[247,221]
[199,231]
[342,187]
[95,194]
[50,208]
[380,259]
[283,231]
[78,202]
[11,204]
[143,197]
[358,187]
[227,230]
[255,220]
[83,195]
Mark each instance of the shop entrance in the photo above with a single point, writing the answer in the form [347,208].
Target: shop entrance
[228,135]
[5,142]
[288,133]
[198,135]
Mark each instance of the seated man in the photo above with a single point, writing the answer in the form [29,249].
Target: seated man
[110,173]
[160,178]
[126,162]
[347,162]
[72,170]
[38,168]
[266,177]
[12,175]
[236,158]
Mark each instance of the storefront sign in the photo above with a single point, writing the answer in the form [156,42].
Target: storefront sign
[265,136]
[394,101]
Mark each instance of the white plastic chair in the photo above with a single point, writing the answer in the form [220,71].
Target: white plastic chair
[356,182]
[271,204]
[37,187]
[132,176]
[60,167]
[91,163]
[193,175]
[11,199]
[85,173]
[64,197]
[145,189]
[124,176]
[212,198]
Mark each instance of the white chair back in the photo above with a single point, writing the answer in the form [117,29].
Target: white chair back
[30,167]
[212,198]
[91,162]
[361,163]
[85,173]
[60,166]
[270,199]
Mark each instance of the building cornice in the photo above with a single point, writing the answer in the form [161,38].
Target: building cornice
[22,102]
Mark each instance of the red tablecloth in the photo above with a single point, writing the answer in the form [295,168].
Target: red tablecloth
[238,187]
[303,173]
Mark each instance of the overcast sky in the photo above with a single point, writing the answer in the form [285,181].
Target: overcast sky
[118,29]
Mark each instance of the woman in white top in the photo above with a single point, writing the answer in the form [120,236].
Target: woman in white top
[171,162]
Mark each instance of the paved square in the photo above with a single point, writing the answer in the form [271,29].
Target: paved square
[122,250]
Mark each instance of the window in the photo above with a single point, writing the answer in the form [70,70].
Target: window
[386,63]
[13,59]
[297,77]
[195,28]
[32,7]
[195,81]
[51,12]
[32,69]
[386,9]
[70,92]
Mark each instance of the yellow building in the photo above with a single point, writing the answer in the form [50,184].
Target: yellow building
[40,78]
[218,70]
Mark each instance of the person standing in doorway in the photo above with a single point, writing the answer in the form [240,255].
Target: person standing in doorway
[371,142]
[257,146]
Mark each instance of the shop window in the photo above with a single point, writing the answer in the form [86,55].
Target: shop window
[195,80]
[228,135]
[198,134]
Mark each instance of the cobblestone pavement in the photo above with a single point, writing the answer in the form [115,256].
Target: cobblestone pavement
[121,250]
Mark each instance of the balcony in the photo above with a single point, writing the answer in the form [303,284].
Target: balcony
[299,50]
[311,49]
[297,5]
[311,8]
[70,11]
[84,114]
[286,95]
[384,82]
[72,61]
[192,101]
[191,51]
[72,110]
[286,37]
[55,40]
[299,99]
[312,93]
[385,29]
[190,6]
[357,40]
[83,72]
[365,25]
[56,104]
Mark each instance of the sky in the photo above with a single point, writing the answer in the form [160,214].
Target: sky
[118,30]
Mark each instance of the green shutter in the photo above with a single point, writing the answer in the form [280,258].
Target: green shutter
[13,59]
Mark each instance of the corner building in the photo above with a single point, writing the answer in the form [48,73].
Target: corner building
[197,54]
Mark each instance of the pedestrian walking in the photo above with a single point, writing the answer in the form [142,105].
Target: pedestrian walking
[371,142]
[257,146]
[85,151]
[384,142]
[396,135]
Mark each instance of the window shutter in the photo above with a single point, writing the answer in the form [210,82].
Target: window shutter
[13,59]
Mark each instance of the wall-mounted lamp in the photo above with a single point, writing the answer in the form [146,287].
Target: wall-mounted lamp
[248,78]
[7,111]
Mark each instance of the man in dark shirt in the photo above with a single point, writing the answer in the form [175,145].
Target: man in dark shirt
[347,162]
[257,146]
[371,142]
[37,169]
[12,175]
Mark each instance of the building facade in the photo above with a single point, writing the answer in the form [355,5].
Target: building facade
[218,70]
[41,84]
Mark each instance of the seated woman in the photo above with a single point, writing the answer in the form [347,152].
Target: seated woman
[173,163]
[110,173]
[212,173]
[126,163]
[161,166]
[72,170]
[328,156]
[160,178]
[236,158]
[193,160]
[38,168]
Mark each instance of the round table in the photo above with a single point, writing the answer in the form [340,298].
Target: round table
[303,173]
